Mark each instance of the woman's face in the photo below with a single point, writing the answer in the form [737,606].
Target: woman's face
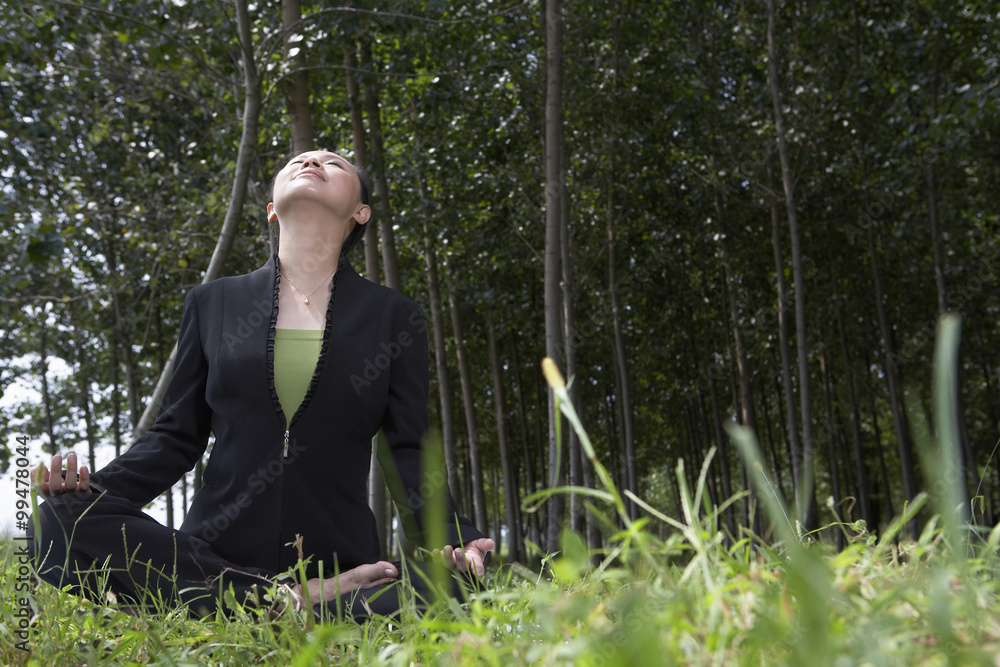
[319,179]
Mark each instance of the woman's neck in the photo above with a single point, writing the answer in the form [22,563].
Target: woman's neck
[308,258]
[307,266]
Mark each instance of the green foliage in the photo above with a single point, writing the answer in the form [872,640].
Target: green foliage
[910,605]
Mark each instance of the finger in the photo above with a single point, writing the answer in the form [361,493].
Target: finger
[461,561]
[483,544]
[447,555]
[40,479]
[71,477]
[476,562]
[84,479]
[55,475]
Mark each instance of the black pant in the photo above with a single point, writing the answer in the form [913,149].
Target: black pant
[98,543]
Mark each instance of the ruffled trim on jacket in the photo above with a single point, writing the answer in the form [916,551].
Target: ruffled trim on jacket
[272,330]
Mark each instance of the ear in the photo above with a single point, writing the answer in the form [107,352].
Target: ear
[271,215]
[363,214]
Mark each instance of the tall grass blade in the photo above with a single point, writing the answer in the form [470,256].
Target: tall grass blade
[774,506]
[809,577]
[952,501]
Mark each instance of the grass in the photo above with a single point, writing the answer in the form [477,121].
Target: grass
[694,597]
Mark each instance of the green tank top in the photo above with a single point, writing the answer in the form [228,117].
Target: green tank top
[296,352]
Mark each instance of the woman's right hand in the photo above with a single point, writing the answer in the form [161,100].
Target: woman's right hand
[52,482]
[362,576]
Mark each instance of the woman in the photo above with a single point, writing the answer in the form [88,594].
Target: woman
[293,386]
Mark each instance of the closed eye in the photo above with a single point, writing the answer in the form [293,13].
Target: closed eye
[337,163]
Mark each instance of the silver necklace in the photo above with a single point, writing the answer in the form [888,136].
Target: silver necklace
[306,296]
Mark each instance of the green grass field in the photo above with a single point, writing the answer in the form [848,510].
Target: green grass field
[695,596]
[687,599]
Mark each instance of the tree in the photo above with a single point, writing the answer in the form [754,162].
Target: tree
[554,185]
[805,494]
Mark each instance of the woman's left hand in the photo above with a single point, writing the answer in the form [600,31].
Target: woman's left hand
[470,557]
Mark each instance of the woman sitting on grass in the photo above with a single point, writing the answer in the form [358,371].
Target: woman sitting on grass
[293,368]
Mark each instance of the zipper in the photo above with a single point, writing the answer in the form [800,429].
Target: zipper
[318,369]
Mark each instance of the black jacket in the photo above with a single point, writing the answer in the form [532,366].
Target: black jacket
[262,485]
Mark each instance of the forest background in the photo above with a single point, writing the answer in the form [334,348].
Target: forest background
[705,212]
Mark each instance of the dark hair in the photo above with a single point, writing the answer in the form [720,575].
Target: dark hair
[366,198]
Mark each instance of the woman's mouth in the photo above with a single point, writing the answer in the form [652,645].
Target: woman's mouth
[311,172]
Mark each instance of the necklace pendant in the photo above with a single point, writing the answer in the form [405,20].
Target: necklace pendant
[307,301]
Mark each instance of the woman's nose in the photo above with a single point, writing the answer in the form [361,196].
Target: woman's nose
[311,161]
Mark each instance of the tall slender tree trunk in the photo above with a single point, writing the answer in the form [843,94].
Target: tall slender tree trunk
[767,432]
[785,440]
[83,400]
[168,496]
[297,86]
[245,158]
[618,346]
[883,468]
[849,484]
[727,484]
[703,428]
[52,447]
[885,328]
[376,479]
[122,339]
[377,490]
[354,101]
[526,443]
[465,376]
[540,451]
[467,492]
[966,458]
[806,497]
[932,193]
[732,297]
[994,421]
[497,521]
[554,184]
[861,467]
[506,456]
[116,400]
[745,400]
[576,463]
[737,407]
[388,237]
[441,364]
[831,435]
[895,399]
[786,366]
